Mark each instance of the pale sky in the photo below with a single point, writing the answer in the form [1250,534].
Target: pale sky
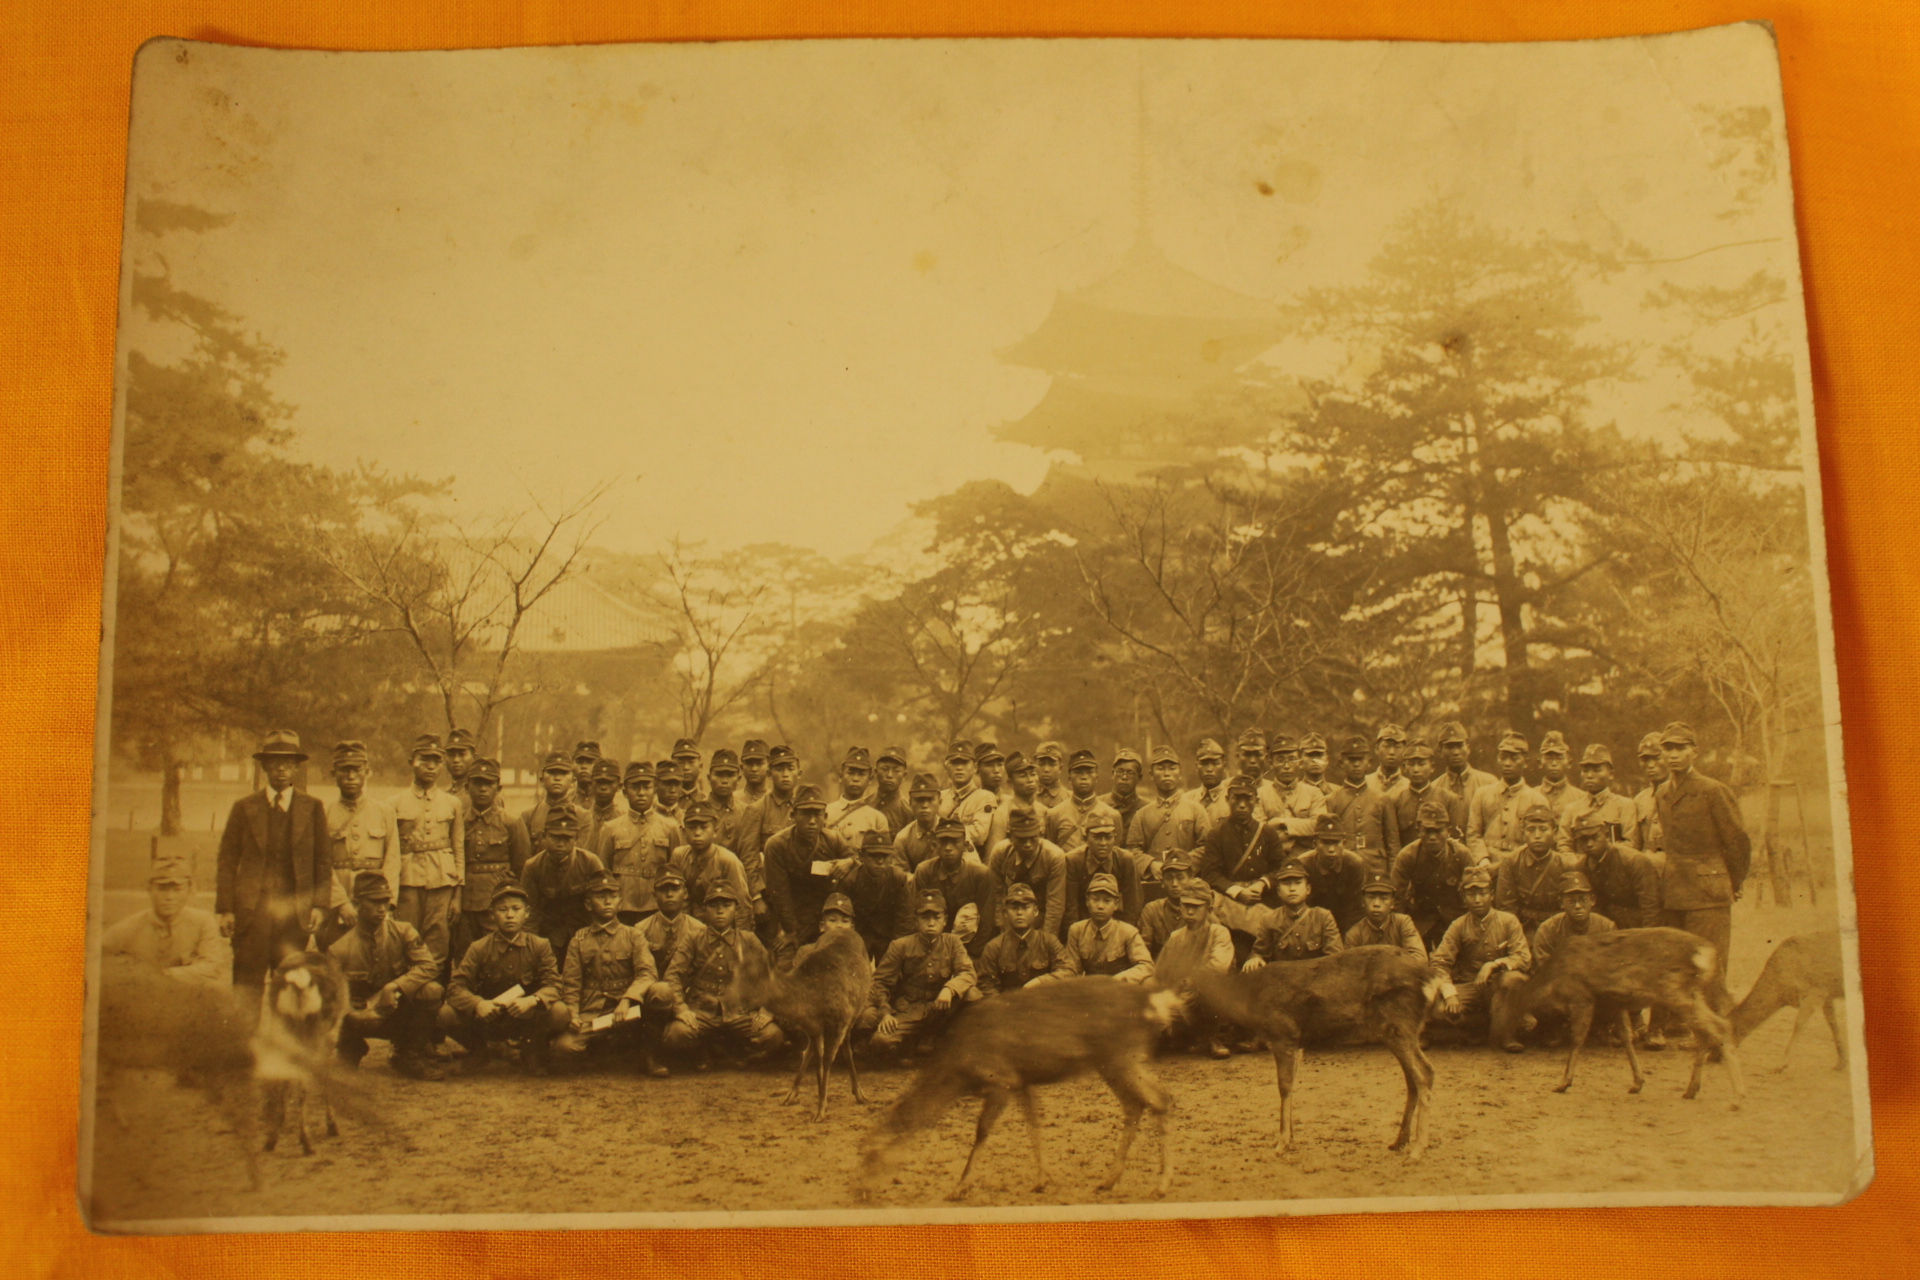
[765,282]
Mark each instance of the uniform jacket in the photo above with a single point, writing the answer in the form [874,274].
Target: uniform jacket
[1054,825]
[1369,823]
[1114,950]
[973,806]
[636,847]
[433,847]
[1164,826]
[1072,814]
[1159,921]
[1493,818]
[799,880]
[188,950]
[1466,784]
[702,969]
[715,865]
[1708,849]
[360,837]
[760,821]
[1207,948]
[606,963]
[244,878]
[1556,929]
[1406,803]
[555,885]
[1648,810]
[1610,807]
[1337,877]
[1529,887]
[664,937]
[393,953]
[1426,882]
[972,884]
[495,964]
[1297,933]
[1009,962]
[1398,931]
[1626,886]
[535,819]
[1045,872]
[1240,851]
[852,819]
[1471,943]
[881,911]
[915,970]
[497,847]
[1120,865]
[1128,807]
[913,845]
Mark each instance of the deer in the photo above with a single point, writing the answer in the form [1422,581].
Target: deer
[1631,968]
[1803,971]
[306,1002]
[821,997]
[1000,1048]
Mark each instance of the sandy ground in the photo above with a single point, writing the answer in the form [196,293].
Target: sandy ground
[607,1141]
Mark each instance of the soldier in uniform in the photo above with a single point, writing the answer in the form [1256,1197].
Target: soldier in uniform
[1165,823]
[1022,952]
[686,758]
[171,937]
[1201,945]
[1028,858]
[991,767]
[1100,855]
[1483,955]
[1457,773]
[556,880]
[1381,925]
[272,888]
[1417,787]
[1103,946]
[1596,797]
[700,979]
[703,861]
[604,782]
[1250,750]
[723,782]
[634,846]
[1125,798]
[607,974]
[756,768]
[876,891]
[1653,767]
[584,756]
[1083,771]
[1493,815]
[1708,851]
[921,980]
[507,987]
[1624,881]
[670,794]
[800,868]
[433,846]
[1389,747]
[1210,762]
[1295,930]
[1428,872]
[1336,872]
[665,932]
[1575,919]
[391,991]
[1161,918]
[966,799]
[556,792]
[1556,764]
[498,847]
[1290,800]
[849,815]
[461,750]
[764,818]
[1362,811]
[1241,854]
[913,844]
[1023,792]
[962,881]
[889,792]
[1313,763]
[362,835]
[1527,884]
[1049,758]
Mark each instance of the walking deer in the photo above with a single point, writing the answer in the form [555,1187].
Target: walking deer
[306,1002]
[1803,971]
[1000,1048]
[821,998]
[1378,994]
[1631,968]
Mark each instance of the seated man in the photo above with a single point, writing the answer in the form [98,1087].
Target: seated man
[921,979]
[700,981]
[1295,931]
[1381,925]
[1103,946]
[877,890]
[608,972]
[1200,944]
[1527,884]
[1023,952]
[665,932]
[1577,919]
[1482,956]
[391,993]
[556,882]
[506,989]
[965,884]
[180,941]
[1162,917]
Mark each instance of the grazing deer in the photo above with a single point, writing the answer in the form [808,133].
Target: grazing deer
[822,997]
[1632,968]
[1379,994]
[1002,1047]
[306,1002]
[1803,971]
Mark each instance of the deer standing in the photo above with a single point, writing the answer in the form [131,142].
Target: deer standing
[822,997]
[1632,968]
[1000,1048]
[1803,971]
[306,1002]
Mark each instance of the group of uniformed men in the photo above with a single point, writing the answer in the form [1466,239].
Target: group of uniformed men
[574,922]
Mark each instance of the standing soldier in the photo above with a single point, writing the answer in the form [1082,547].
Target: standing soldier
[1527,884]
[272,888]
[1023,792]
[1103,946]
[877,892]
[498,847]
[700,983]
[1300,804]
[1101,856]
[604,783]
[1380,925]
[556,792]
[766,817]
[1241,854]
[921,980]
[461,749]
[1165,823]
[1427,874]
[1457,772]
[1210,762]
[914,843]
[723,782]
[1125,798]
[608,972]
[391,991]
[1362,811]
[1556,764]
[889,792]
[1417,788]
[1624,881]
[1493,815]
[362,835]
[635,845]
[507,987]
[1653,767]
[1390,747]
[800,870]
[1049,758]
[1483,956]
[670,794]
[1295,930]
[992,765]
[849,815]
[1336,872]
[584,756]
[1022,952]
[1597,798]
[556,880]
[1313,763]
[433,848]
[1707,847]
[1027,858]
[686,758]
[966,799]
[756,765]
[172,937]
[1083,770]
[703,862]
[971,889]
[665,932]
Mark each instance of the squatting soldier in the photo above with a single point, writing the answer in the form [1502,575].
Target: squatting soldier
[966,799]
[633,846]
[1493,815]
[1242,854]
[723,783]
[700,981]
[498,848]
[1458,775]
[1023,792]
[1625,883]
[1336,872]
[1527,884]
[921,980]
[756,769]
[1049,759]
[1653,767]
[1022,952]
[849,815]
[171,937]
[603,782]
[362,835]
[704,862]
[1210,762]
[1390,747]
[1100,856]
[607,974]
[433,847]
[272,886]
[1313,763]
[1201,945]
[461,751]
[1125,798]
[913,844]
[556,792]
[1083,771]
[556,879]
[889,789]
[961,881]
[1382,926]
[1707,847]
[1596,797]
[1556,763]
[1167,822]
[1162,917]
[1028,859]
[877,895]
[1103,946]
[1295,930]
[507,988]
[1427,875]
[1483,955]
[1362,812]
[665,932]
[391,992]
[1575,919]
[1418,787]
[800,868]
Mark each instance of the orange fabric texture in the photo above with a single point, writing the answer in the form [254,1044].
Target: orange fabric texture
[1853,96]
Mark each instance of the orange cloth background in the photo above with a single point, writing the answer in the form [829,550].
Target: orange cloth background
[1852,72]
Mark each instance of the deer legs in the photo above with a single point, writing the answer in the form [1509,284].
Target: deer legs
[1139,1092]
[1286,1060]
[853,1072]
[1405,1046]
[1839,1039]
[992,1103]
[1710,1032]
[1580,1022]
[1633,1058]
[793,1090]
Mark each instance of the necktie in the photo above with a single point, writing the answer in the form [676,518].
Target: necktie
[280,801]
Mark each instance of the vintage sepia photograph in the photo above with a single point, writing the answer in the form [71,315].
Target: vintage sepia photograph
[871,631]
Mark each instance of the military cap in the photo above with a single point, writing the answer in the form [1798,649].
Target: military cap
[427,744]
[461,738]
[808,796]
[838,902]
[171,867]
[560,818]
[1377,883]
[700,811]
[923,785]
[586,751]
[1678,733]
[753,749]
[1104,882]
[1511,741]
[959,749]
[986,752]
[1198,895]
[484,768]
[719,891]
[724,758]
[1292,869]
[1241,785]
[1540,811]
[1209,749]
[285,742]
[684,748]
[1054,751]
[857,757]
[1433,811]
[1650,746]
[1017,763]
[1019,891]
[896,754]
[776,755]
[1281,743]
[1476,878]
[1390,732]
[507,888]
[1588,821]
[1024,822]
[1082,757]
[1327,826]
[666,771]
[1101,820]
[1452,731]
[1355,746]
[930,900]
[640,771]
[1252,738]
[1596,753]
[352,751]
[1312,742]
[1164,754]
[1575,882]
[371,884]
[668,877]
[604,767]
[950,827]
[1418,749]
[1555,741]
[1127,755]
[556,761]
[1175,861]
[600,882]
[876,842]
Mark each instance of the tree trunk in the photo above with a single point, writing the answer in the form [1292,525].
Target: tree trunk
[1513,634]
[171,772]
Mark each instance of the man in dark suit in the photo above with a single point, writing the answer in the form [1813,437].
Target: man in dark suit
[273,884]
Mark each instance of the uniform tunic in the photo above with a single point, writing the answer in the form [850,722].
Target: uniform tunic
[1128,807]
[1615,810]
[497,848]
[1297,933]
[1493,819]
[1626,885]
[716,865]
[1398,931]
[1054,826]
[1242,851]
[606,963]
[535,819]
[916,969]
[432,838]
[1073,814]
[1368,823]
[1337,877]
[556,885]
[968,885]
[636,847]
[1167,825]
[393,952]
[1529,887]
[1426,883]
[1556,929]
[1044,871]
[665,936]
[363,836]
[1206,948]
[880,906]
[496,964]
[1707,846]
[1471,943]
[1159,921]
[1081,869]
[914,845]
[973,805]
[799,877]
[188,949]
[702,970]
[1013,960]
[1466,784]
[852,819]
[1114,949]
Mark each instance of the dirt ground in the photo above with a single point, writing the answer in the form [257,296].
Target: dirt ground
[607,1141]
